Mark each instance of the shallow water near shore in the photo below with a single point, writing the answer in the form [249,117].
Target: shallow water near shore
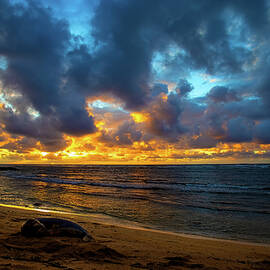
[223,201]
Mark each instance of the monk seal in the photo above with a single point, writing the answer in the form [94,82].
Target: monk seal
[38,227]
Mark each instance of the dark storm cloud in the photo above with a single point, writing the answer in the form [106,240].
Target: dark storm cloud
[184,87]
[164,118]
[42,129]
[239,130]
[264,89]
[222,94]
[239,121]
[202,141]
[124,135]
[34,44]
[262,131]
[159,88]
[21,146]
[226,122]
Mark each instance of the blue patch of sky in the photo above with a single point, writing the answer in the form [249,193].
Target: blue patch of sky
[78,14]
[168,65]
[33,113]
[100,104]
[106,105]
[5,102]
[3,63]
[201,82]
[157,63]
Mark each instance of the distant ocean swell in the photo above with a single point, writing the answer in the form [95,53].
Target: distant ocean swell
[186,187]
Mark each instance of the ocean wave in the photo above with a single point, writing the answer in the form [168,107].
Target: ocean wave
[173,186]
[226,209]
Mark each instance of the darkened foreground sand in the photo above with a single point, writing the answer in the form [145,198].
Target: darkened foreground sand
[119,248]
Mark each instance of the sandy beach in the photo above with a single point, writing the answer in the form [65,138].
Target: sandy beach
[117,247]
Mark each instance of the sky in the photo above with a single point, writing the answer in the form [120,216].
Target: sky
[134,81]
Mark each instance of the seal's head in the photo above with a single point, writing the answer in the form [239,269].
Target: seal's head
[34,227]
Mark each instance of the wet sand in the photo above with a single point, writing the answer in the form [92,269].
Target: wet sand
[117,247]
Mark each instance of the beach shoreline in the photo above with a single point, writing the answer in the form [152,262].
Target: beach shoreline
[120,247]
[113,221]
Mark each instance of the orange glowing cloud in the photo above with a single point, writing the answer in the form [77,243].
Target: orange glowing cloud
[125,138]
[139,117]
[89,149]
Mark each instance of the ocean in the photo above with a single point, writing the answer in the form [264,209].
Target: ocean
[221,201]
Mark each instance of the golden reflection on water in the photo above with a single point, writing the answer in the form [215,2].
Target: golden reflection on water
[54,193]
[94,199]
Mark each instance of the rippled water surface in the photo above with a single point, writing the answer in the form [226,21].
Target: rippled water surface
[227,201]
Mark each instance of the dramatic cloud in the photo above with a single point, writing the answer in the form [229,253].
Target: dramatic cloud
[126,134]
[222,94]
[148,76]
[34,44]
[262,132]
[164,117]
